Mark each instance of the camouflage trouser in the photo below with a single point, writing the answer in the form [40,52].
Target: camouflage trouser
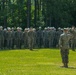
[1,43]
[30,43]
[18,43]
[9,43]
[25,43]
[64,55]
[39,42]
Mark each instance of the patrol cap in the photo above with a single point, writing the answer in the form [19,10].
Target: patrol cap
[65,29]
[34,29]
[18,28]
[39,27]
[45,28]
[8,28]
[25,29]
[5,29]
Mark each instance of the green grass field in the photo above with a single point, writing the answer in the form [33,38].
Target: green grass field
[37,62]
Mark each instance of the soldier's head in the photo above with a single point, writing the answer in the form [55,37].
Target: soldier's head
[26,29]
[5,29]
[39,28]
[9,29]
[31,28]
[12,29]
[18,29]
[65,30]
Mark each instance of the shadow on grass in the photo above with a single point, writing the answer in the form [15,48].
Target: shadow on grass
[71,67]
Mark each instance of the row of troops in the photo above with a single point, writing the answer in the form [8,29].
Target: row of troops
[11,38]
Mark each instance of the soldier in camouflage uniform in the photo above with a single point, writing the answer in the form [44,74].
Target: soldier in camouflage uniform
[58,33]
[13,38]
[18,38]
[25,38]
[31,38]
[9,38]
[64,46]
[1,38]
[39,38]
[73,40]
[5,39]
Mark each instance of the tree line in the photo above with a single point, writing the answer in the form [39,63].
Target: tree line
[27,13]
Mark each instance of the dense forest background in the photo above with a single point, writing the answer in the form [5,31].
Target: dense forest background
[27,13]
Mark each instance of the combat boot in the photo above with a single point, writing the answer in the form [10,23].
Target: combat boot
[66,65]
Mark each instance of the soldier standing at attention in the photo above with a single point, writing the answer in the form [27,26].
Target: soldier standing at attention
[1,38]
[39,37]
[9,38]
[25,38]
[5,38]
[18,38]
[73,39]
[64,46]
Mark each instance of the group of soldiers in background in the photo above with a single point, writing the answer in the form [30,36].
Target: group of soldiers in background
[29,38]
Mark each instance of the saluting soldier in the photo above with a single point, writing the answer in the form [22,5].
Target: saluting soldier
[31,38]
[64,46]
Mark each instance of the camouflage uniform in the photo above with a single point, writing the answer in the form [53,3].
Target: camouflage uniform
[9,38]
[5,39]
[73,39]
[18,38]
[64,46]
[31,38]
[58,33]
[44,36]
[39,38]
[25,38]
[13,38]
[51,38]
[1,38]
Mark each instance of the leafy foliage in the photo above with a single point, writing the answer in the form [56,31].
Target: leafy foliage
[58,13]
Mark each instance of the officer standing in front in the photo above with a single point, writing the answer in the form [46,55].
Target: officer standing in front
[64,46]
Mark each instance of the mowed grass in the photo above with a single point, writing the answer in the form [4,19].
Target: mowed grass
[37,62]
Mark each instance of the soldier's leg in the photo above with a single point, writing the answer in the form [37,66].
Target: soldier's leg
[30,44]
[11,44]
[8,44]
[65,57]
[16,43]
[73,44]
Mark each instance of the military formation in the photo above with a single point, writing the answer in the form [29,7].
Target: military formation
[29,38]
